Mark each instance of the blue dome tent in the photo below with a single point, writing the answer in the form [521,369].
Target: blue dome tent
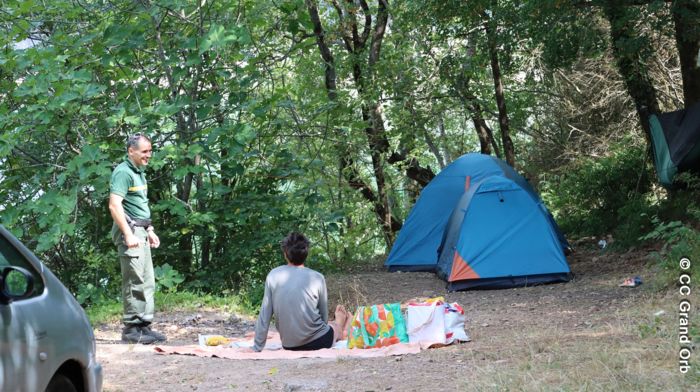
[479,224]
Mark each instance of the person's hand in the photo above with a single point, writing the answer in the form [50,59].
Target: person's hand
[153,239]
[131,240]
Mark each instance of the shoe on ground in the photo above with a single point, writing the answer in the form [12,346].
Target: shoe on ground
[157,336]
[134,335]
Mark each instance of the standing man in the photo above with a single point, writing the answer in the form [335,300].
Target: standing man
[134,237]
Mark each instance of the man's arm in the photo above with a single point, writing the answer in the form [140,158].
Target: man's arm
[263,323]
[117,211]
[323,301]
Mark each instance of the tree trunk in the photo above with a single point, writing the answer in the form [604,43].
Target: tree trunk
[354,180]
[371,114]
[630,64]
[185,242]
[378,145]
[431,143]
[326,54]
[446,152]
[461,84]
[206,251]
[686,16]
[184,188]
[418,125]
[508,147]
[483,132]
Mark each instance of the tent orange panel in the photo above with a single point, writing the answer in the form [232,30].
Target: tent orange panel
[461,269]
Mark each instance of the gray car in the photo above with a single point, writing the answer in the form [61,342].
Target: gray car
[46,341]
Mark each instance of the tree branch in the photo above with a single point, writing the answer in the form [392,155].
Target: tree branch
[368,22]
[346,38]
[326,54]
[414,170]
[379,30]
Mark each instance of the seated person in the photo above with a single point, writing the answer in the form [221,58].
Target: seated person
[298,299]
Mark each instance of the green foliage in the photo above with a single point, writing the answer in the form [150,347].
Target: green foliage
[252,297]
[89,294]
[72,108]
[105,312]
[680,240]
[564,31]
[184,300]
[16,283]
[598,196]
[247,143]
[193,300]
[664,231]
[92,274]
[633,219]
[654,328]
[167,277]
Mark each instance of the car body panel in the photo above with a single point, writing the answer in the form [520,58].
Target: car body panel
[41,334]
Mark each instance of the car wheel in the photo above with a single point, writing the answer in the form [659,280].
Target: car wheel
[60,383]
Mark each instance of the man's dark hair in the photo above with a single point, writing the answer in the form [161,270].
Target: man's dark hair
[133,140]
[296,247]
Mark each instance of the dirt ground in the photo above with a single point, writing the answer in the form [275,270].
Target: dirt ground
[588,334]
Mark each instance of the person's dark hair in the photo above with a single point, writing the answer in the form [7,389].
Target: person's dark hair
[296,247]
[133,140]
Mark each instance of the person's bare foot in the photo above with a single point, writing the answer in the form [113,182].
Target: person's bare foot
[343,319]
[341,315]
[348,322]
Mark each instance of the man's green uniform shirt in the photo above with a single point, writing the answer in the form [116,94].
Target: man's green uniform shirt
[129,182]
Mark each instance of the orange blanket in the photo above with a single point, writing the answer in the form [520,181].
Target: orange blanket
[273,340]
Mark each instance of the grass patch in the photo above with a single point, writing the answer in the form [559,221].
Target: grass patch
[111,311]
[608,359]
[634,349]
[189,301]
[105,312]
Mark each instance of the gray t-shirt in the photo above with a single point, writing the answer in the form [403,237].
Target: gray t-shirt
[298,299]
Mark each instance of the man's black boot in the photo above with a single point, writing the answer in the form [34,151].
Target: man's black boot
[133,334]
[157,336]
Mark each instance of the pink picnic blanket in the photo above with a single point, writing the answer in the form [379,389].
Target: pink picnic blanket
[273,340]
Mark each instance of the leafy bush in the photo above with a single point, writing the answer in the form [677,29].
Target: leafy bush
[89,294]
[167,277]
[679,240]
[677,226]
[252,296]
[97,281]
[598,196]
[634,220]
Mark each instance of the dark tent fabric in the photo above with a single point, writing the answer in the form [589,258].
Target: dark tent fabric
[676,142]
[479,224]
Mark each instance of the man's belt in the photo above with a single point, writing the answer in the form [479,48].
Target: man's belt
[136,222]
